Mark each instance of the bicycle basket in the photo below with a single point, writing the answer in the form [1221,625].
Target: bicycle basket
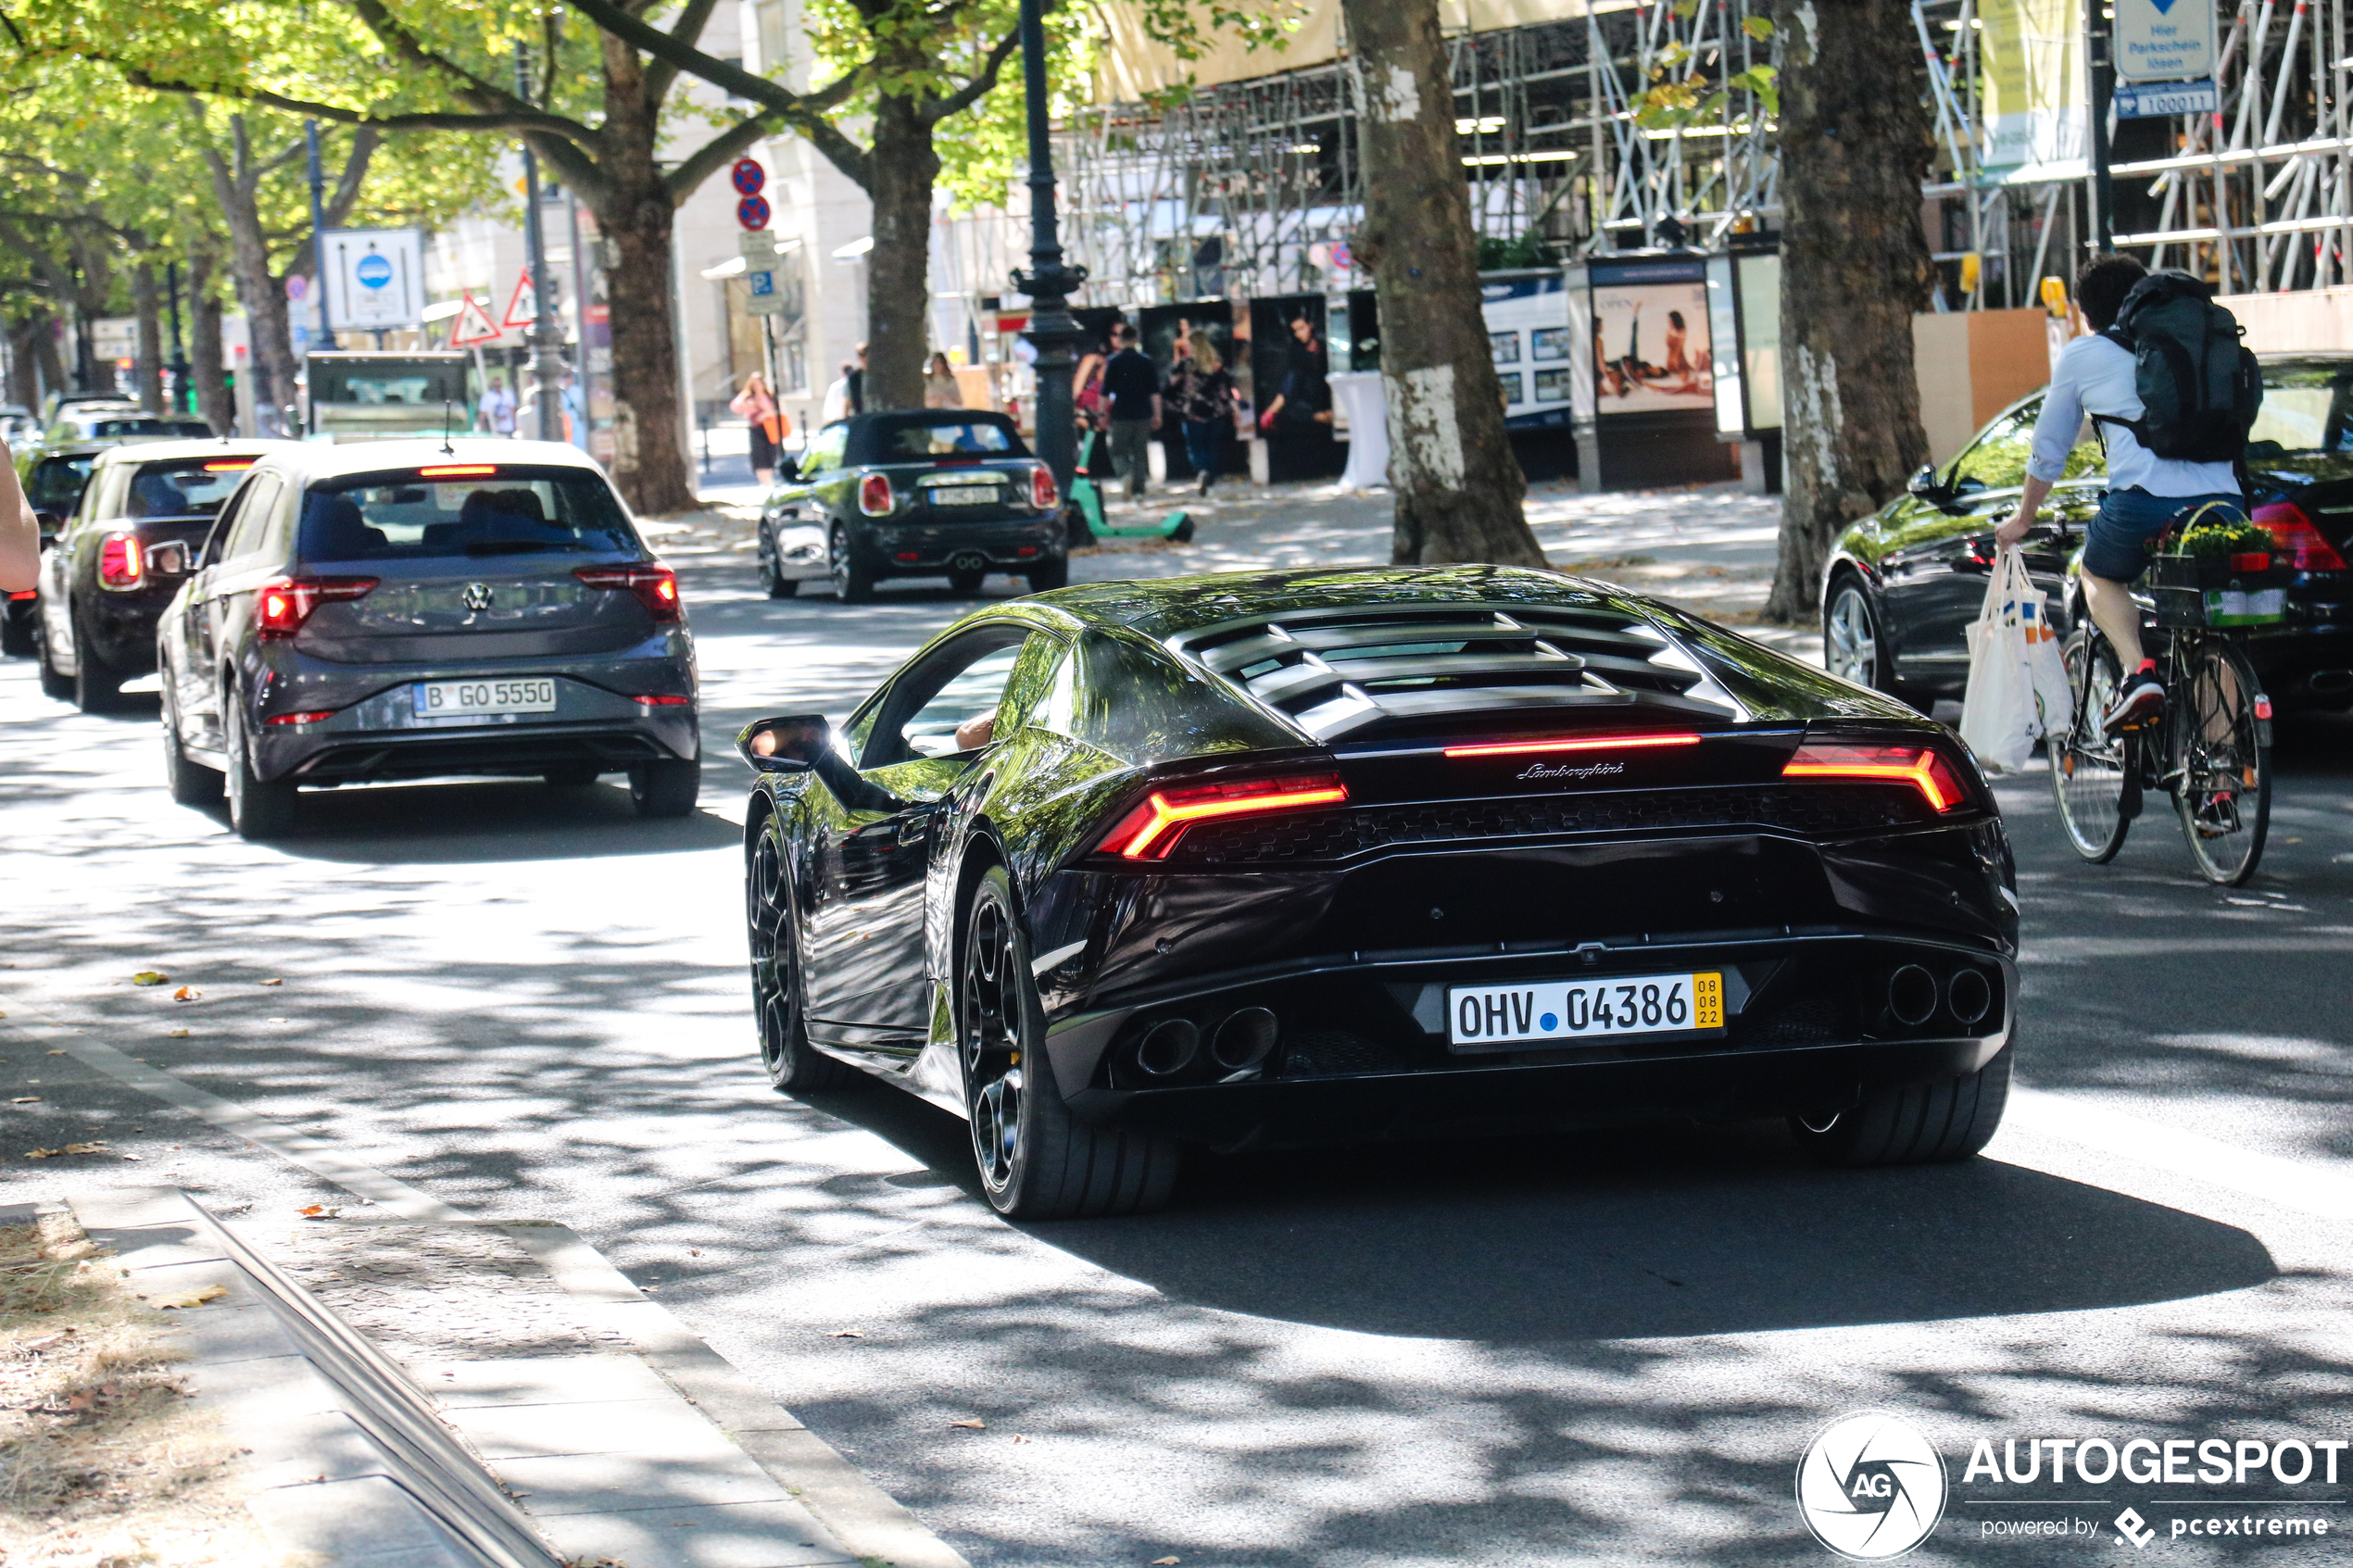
[2194,592]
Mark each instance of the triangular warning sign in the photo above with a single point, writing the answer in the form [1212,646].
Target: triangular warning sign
[473,325]
[524,309]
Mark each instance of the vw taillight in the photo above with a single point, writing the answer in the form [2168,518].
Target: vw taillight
[2294,536]
[1151,829]
[282,605]
[1922,767]
[1044,494]
[874,495]
[121,562]
[656,586]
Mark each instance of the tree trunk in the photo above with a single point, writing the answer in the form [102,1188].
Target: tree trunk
[24,374]
[47,355]
[263,294]
[1855,267]
[905,167]
[148,308]
[214,400]
[1458,485]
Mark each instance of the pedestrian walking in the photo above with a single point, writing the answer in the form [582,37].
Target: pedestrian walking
[496,413]
[856,376]
[837,403]
[756,405]
[941,390]
[1202,390]
[1132,382]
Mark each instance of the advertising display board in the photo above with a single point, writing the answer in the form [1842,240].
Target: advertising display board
[1650,339]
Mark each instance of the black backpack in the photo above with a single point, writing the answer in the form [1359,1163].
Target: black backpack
[2199,389]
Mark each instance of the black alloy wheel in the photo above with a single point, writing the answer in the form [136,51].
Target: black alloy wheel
[772,574]
[853,581]
[1052,574]
[259,808]
[53,683]
[191,783]
[1923,1124]
[1851,645]
[794,1065]
[1035,1160]
[97,686]
[667,786]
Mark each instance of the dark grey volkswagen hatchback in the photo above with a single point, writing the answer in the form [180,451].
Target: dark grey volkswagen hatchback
[417,608]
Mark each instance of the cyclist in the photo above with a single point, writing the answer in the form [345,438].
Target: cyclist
[2144,493]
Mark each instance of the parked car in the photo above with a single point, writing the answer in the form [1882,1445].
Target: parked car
[144,509]
[408,610]
[916,493]
[18,426]
[1277,858]
[1903,584]
[52,478]
[117,421]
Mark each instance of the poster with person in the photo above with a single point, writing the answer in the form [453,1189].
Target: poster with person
[1651,348]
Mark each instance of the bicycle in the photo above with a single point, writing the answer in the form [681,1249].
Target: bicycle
[2210,749]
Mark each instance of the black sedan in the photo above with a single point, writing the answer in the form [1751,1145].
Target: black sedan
[947,493]
[1903,583]
[1252,859]
[116,560]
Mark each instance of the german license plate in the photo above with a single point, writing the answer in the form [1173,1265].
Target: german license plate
[1584,1010]
[964,494]
[463,699]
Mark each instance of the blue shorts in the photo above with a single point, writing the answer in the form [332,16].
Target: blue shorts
[2117,546]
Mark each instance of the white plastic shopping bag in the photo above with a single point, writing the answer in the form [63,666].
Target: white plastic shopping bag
[2018,689]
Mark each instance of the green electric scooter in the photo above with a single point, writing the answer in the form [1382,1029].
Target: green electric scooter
[1176,527]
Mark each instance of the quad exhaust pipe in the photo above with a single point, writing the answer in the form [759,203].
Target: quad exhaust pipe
[1240,1040]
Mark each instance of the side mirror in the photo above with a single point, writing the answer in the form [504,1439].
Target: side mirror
[1925,485]
[789,745]
[169,558]
[787,468]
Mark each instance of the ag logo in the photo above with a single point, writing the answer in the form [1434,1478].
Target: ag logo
[1870,1487]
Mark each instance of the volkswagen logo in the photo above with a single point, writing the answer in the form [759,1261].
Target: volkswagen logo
[1870,1487]
[476,596]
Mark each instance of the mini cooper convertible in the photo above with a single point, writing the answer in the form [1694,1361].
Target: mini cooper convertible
[1254,860]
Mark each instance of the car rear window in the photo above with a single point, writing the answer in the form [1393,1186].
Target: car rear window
[946,440]
[55,484]
[183,487]
[101,429]
[460,510]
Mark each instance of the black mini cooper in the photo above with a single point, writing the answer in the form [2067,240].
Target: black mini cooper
[947,493]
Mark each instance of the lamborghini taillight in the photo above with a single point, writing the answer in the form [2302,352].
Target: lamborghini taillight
[1924,767]
[1151,829]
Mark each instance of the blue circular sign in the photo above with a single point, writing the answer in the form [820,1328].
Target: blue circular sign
[373,271]
[750,178]
[752,212]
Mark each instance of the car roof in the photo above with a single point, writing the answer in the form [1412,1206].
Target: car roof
[1173,606]
[313,460]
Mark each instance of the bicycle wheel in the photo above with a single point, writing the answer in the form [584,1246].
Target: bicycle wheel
[2089,768]
[2222,755]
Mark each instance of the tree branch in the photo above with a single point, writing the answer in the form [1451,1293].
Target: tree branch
[970,91]
[688,30]
[525,119]
[380,21]
[722,149]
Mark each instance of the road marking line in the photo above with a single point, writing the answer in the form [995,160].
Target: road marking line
[2291,1184]
[389,1192]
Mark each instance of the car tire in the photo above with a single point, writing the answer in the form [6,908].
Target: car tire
[1853,644]
[1054,574]
[53,684]
[793,1065]
[665,787]
[258,808]
[16,632]
[965,585]
[1922,1125]
[853,580]
[571,775]
[771,573]
[1036,1161]
[97,686]
[192,783]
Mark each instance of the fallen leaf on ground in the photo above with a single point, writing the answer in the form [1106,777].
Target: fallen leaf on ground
[179,1033]
[56,1053]
[847,1333]
[186,994]
[1019,1438]
[26,1099]
[42,1153]
[273,982]
[321,1211]
[189,1297]
[151,977]
[1166,1562]
[973,1425]
[97,1147]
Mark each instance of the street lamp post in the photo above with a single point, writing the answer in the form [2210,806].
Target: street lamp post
[547,366]
[1053,331]
[317,230]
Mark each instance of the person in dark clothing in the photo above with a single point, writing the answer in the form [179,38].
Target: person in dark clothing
[1132,382]
[858,383]
[1202,390]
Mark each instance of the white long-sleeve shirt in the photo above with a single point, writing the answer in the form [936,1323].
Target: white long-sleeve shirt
[2094,376]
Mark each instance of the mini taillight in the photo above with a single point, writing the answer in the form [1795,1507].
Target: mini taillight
[1576,742]
[1151,829]
[2294,536]
[874,495]
[1044,494]
[121,563]
[660,699]
[1922,767]
[318,715]
[285,604]
[656,586]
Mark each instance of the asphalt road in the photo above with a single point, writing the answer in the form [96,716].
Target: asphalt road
[528,1004]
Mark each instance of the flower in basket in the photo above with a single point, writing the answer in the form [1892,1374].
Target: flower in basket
[2214,540]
